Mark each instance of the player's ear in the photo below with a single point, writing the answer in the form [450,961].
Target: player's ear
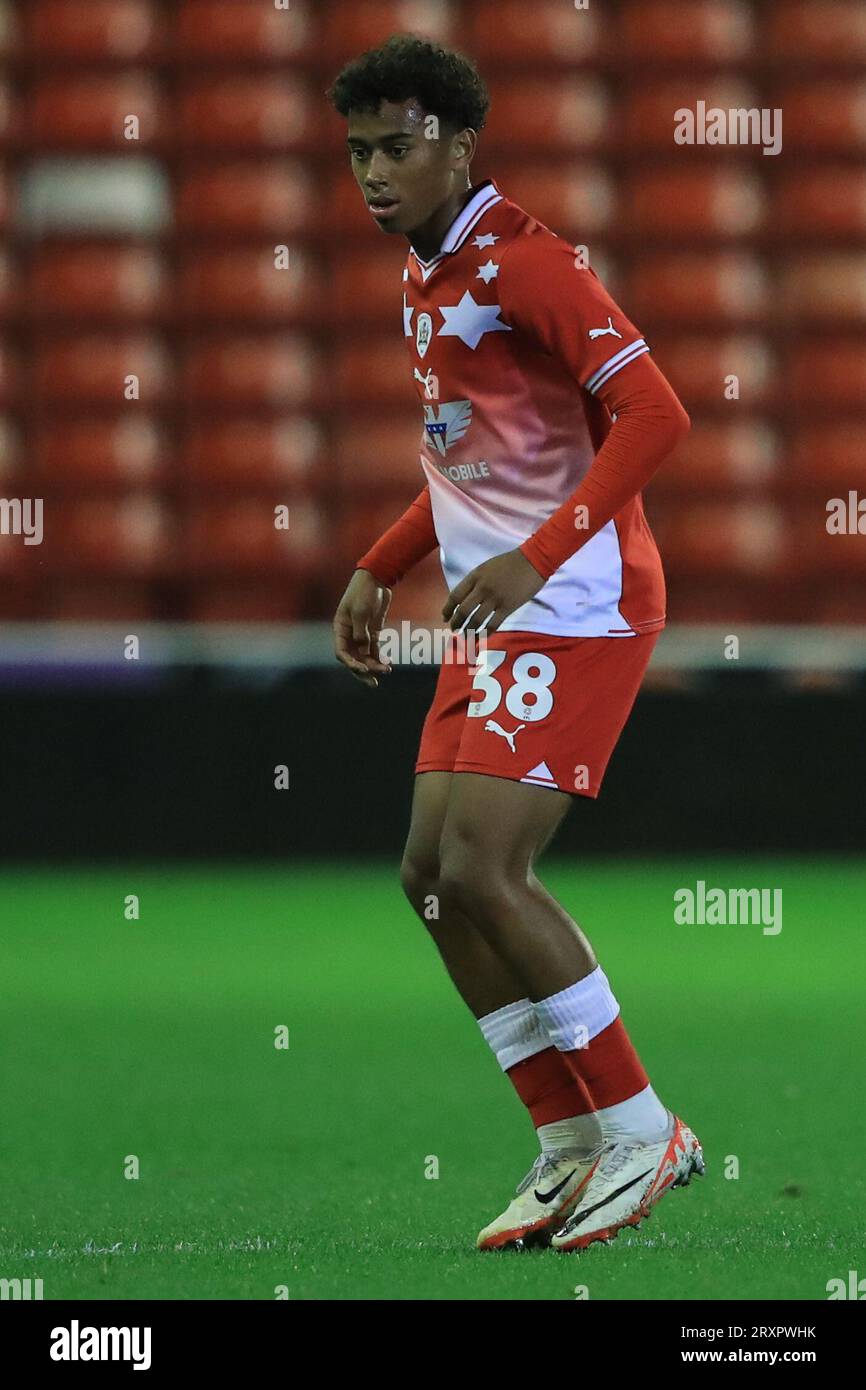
[463,147]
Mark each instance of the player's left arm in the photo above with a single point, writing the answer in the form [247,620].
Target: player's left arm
[566,310]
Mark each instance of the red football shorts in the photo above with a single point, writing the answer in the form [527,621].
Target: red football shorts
[542,710]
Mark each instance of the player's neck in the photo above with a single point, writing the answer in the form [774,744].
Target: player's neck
[426,241]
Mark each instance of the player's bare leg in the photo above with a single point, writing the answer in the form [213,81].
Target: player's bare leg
[487,853]
[560,1106]
[480,976]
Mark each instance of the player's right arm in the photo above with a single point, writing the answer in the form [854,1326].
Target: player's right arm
[364,606]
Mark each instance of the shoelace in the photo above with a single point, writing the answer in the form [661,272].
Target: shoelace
[542,1165]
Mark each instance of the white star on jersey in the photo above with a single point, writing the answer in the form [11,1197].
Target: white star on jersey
[487,272]
[470,321]
[487,240]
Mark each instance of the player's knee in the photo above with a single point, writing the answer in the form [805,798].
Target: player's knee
[473,878]
[419,880]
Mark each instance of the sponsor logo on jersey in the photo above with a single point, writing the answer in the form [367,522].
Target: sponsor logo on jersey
[446,424]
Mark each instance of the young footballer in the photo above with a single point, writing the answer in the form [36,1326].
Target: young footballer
[544,417]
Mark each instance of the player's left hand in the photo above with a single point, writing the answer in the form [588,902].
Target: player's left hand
[496,588]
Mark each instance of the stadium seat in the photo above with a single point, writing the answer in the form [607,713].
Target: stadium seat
[371,370]
[112,452]
[692,203]
[653,31]
[722,285]
[371,278]
[123,31]
[829,285]
[825,202]
[572,197]
[239,537]
[552,115]
[118,536]
[93,112]
[829,31]
[6,209]
[830,455]
[646,109]
[264,371]
[828,380]
[266,112]
[558,33]
[825,115]
[106,281]
[699,367]
[217,601]
[384,454]
[713,538]
[11,450]
[250,452]
[92,369]
[244,285]
[114,600]
[275,197]
[208,30]
[418,598]
[10,374]
[721,457]
[350,29]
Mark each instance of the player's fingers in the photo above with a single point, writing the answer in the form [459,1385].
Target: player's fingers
[477,620]
[457,595]
[360,634]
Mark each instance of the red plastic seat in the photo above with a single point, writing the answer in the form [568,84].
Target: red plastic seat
[250,452]
[831,455]
[714,538]
[822,202]
[373,278]
[825,114]
[115,600]
[698,367]
[240,537]
[557,34]
[266,112]
[832,378]
[121,30]
[219,601]
[665,30]
[721,457]
[91,369]
[573,197]
[826,286]
[647,108]
[552,115]
[350,29]
[263,371]
[724,285]
[115,452]
[374,369]
[245,32]
[826,30]
[104,535]
[418,598]
[275,197]
[691,203]
[10,374]
[104,281]
[244,285]
[384,454]
[91,112]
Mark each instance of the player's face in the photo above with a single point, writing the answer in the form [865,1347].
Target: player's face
[405,167]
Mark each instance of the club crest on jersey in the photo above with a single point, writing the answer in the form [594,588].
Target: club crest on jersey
[424,334]
[447,424]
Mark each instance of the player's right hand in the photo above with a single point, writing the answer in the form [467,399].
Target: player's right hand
[358,621]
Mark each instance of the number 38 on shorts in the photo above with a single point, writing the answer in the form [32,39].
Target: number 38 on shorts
[528,697]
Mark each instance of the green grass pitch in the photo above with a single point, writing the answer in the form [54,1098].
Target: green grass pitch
[305,1167]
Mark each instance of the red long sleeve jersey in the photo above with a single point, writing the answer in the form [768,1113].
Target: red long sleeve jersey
[516,352]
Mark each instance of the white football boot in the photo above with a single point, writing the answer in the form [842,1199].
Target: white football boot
[547,1194]
[627,1180]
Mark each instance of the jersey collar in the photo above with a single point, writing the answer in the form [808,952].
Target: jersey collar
[485,196]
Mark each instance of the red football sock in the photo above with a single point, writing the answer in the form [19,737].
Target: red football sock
[549,1088]
[608,1068]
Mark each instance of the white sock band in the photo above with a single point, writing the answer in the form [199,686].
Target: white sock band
[576,1015]
[514,1033]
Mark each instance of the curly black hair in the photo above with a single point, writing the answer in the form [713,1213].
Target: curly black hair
[446,83]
